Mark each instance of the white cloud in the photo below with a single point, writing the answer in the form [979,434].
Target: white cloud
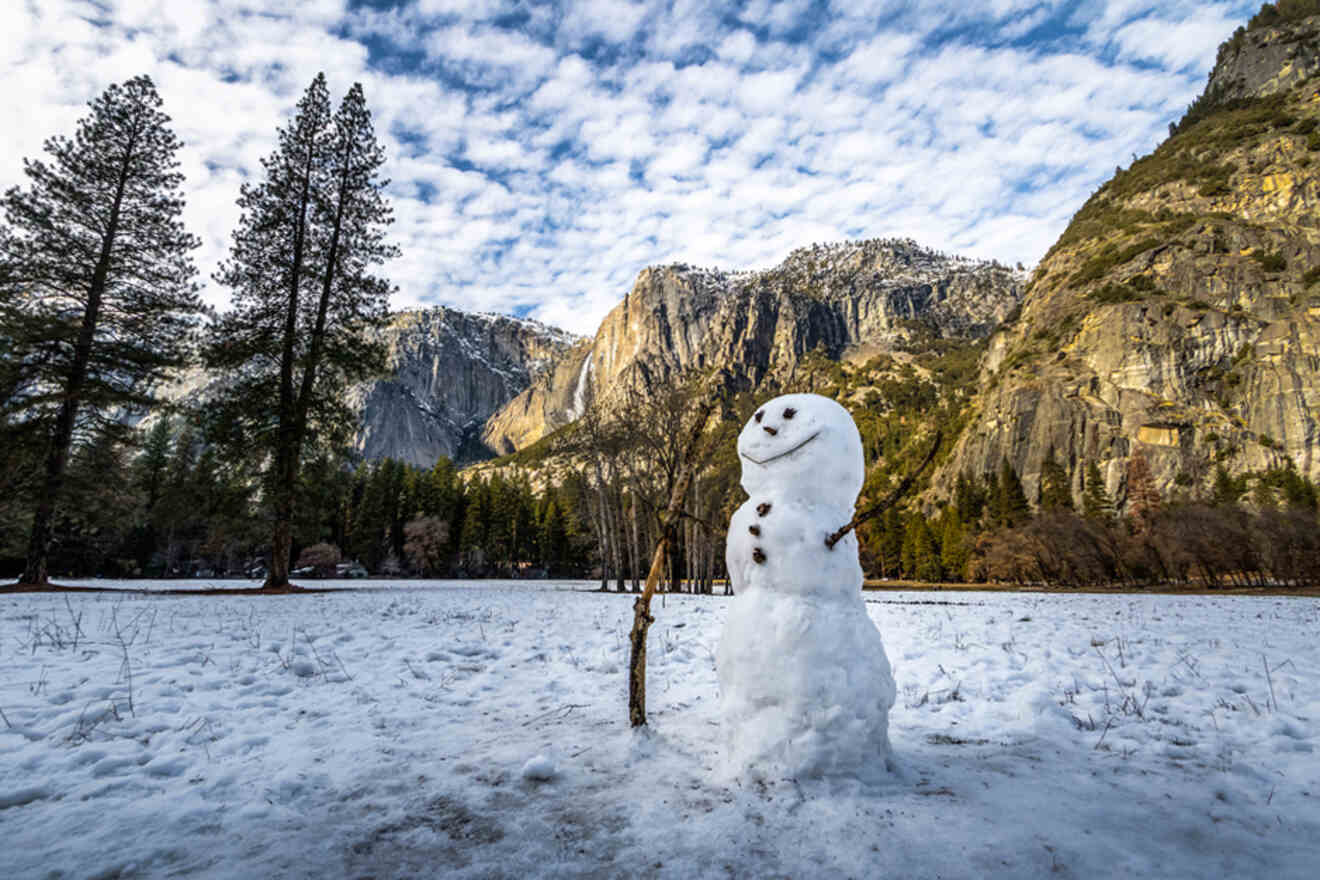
[539,167]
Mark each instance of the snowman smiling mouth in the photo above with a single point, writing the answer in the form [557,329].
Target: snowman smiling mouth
[765,461]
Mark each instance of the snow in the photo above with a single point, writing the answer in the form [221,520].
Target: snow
[804,681]
[539,769]
[1076,734]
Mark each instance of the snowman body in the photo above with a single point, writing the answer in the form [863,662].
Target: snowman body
[805,686]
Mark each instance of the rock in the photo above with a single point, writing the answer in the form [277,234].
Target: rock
[1177,313]
[449,371]
[839,300]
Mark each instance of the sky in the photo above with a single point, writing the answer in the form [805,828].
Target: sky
[542,154]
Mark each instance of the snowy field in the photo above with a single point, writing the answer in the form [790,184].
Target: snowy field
[480,731]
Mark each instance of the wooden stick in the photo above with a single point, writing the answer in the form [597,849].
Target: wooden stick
[642,618]
[891,499]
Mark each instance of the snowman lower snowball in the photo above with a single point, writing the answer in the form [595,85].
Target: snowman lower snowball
[805,686]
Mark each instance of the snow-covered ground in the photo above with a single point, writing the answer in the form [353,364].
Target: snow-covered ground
[481,732]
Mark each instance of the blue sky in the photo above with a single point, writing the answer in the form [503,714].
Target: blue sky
[541,154]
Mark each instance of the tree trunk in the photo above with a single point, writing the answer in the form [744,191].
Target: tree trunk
[286,462]
[616,529]
[636,546]
[36,568]
[642,618]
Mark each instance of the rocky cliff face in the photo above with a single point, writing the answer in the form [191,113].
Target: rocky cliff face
[854,298]
[448,372]
[1180,311]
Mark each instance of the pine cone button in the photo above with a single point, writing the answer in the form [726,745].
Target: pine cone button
[757,555]
[763,508]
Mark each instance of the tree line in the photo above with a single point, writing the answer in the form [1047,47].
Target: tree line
[1246,530]
[99,306]
[177,507]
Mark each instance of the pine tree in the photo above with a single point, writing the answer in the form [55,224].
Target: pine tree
[891,542]
[1010,504]
[153,461]
[1055,493]
[554,539]
[968,498]
[925,555]
[1227,491]
[305,299]
[954,549]
[1096,504]
[97,300]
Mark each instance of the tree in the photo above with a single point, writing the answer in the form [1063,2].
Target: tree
[97,300]
[322,557]
[1096,505]
[968,498]
[554,550]
[426,542]
[954,547]
[1227,490]
[1055,493]
[1009,502]
[1143,498]
[921,554]
[305,299]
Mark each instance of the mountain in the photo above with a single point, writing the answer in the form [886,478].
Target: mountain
[447,372]
[846,301]
[1179,313]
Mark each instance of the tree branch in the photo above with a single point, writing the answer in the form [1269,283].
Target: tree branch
[891,499]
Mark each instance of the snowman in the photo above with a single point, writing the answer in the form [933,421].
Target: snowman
[805,686]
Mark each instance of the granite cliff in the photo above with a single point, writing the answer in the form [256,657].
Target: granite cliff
[448,372]
[1179,313]
[845,301]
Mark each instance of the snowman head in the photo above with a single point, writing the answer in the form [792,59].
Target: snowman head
[804,444]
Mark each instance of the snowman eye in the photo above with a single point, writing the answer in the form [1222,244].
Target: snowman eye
[759,414]
[789,413]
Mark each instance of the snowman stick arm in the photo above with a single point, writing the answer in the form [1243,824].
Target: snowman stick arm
[891,499]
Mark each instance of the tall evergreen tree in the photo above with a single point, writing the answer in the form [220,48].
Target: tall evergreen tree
[968,498]
[955,550]
[97,300]
[1096,504]
[305,299]
[1009,502]
[1227,490]
[1055,492]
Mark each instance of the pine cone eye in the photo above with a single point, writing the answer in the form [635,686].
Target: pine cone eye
[789,413]
[759,414]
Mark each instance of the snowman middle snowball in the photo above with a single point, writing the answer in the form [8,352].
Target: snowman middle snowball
[805,686]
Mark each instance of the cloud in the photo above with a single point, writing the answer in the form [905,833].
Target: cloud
[541,154]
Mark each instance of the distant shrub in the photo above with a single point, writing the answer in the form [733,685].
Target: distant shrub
[1311,276]
[1270,262]
[1111,255]
[1138,287]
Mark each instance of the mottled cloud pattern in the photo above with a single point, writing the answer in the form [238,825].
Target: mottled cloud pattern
[542,153]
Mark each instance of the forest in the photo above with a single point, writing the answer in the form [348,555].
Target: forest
[99,309]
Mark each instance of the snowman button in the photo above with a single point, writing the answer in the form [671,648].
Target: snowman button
[763,508]
[758,556]
[755,530]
